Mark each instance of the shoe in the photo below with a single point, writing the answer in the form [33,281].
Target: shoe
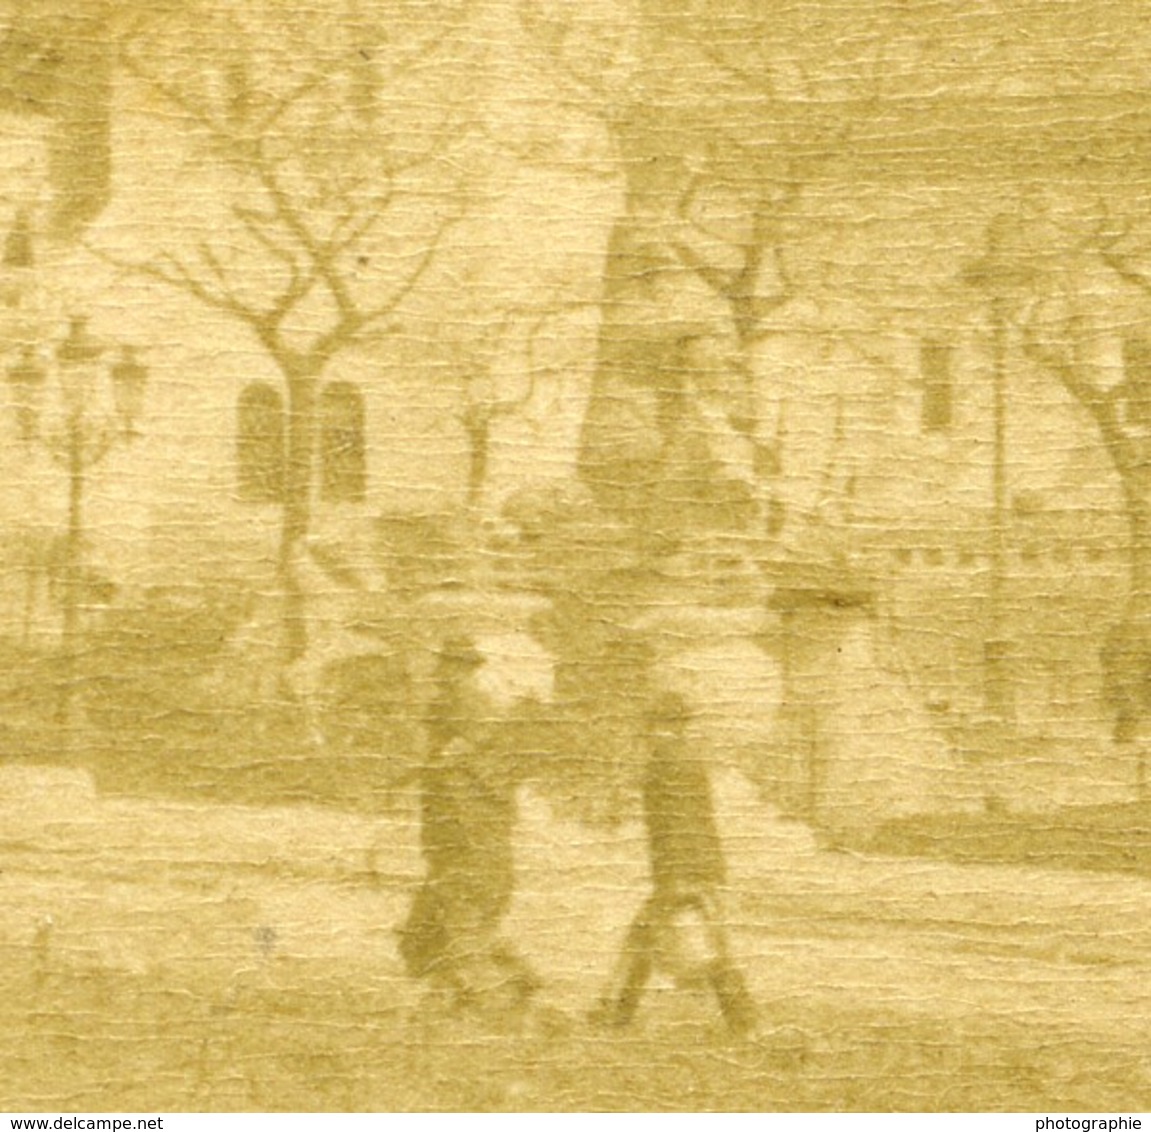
[523,984]
[608,1015]
[735,1002]
[526,984]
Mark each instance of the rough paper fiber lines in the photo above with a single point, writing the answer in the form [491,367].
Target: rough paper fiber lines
[573,557]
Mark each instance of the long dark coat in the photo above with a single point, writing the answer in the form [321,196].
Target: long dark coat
[686,852]
[467,826]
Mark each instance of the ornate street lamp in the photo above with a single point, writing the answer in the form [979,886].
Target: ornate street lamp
[129,382]
[1001,274]
[77,362]
[84,441]
[85,436]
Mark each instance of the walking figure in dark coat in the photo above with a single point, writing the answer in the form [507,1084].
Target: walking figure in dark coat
[468,812]
[688,874]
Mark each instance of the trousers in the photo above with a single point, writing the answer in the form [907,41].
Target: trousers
[456,945]
[655,941]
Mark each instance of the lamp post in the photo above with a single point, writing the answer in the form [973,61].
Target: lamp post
[77,438]
[1000,274]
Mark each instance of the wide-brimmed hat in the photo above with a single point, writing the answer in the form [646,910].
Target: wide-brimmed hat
[460,650]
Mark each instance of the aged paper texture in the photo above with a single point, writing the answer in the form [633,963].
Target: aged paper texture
[575,555]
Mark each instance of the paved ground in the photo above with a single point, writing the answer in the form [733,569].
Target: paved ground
[163,955]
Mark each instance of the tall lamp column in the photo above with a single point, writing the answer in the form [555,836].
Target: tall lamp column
[81,438]
[1000,276]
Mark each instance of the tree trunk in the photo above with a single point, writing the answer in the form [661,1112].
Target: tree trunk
[1137,505]
[478,424]
[1126,652]
[297,510]
[73,565]
[1129,457]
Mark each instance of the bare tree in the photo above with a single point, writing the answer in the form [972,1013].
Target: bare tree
[336,214]
[501,358]
[1056,328]
[1055,273]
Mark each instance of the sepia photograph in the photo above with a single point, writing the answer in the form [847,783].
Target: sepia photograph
[575,556]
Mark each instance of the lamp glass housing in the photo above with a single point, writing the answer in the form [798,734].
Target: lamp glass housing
[26,380]
[129,382]
[78,357]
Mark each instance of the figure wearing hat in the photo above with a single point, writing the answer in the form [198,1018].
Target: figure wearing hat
[680,929]
[468,813]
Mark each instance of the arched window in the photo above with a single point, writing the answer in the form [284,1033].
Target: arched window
[343,468]
[935,366]
[260,444]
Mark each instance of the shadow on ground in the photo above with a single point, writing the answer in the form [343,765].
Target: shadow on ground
[1114,838]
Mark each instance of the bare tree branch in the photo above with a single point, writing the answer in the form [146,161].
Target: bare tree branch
[209,257]
[1100,403]
[259,227]
[759,80]
[171,271]
[178,98]
[280,106]
[349,231]
[738,286]
[1125,271]
[423,263]
[415,59]
[718,280]
[319,253]
[177,274]
[284,229]
[1108,233]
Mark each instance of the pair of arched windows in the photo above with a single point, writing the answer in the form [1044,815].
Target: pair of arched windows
[261,444]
